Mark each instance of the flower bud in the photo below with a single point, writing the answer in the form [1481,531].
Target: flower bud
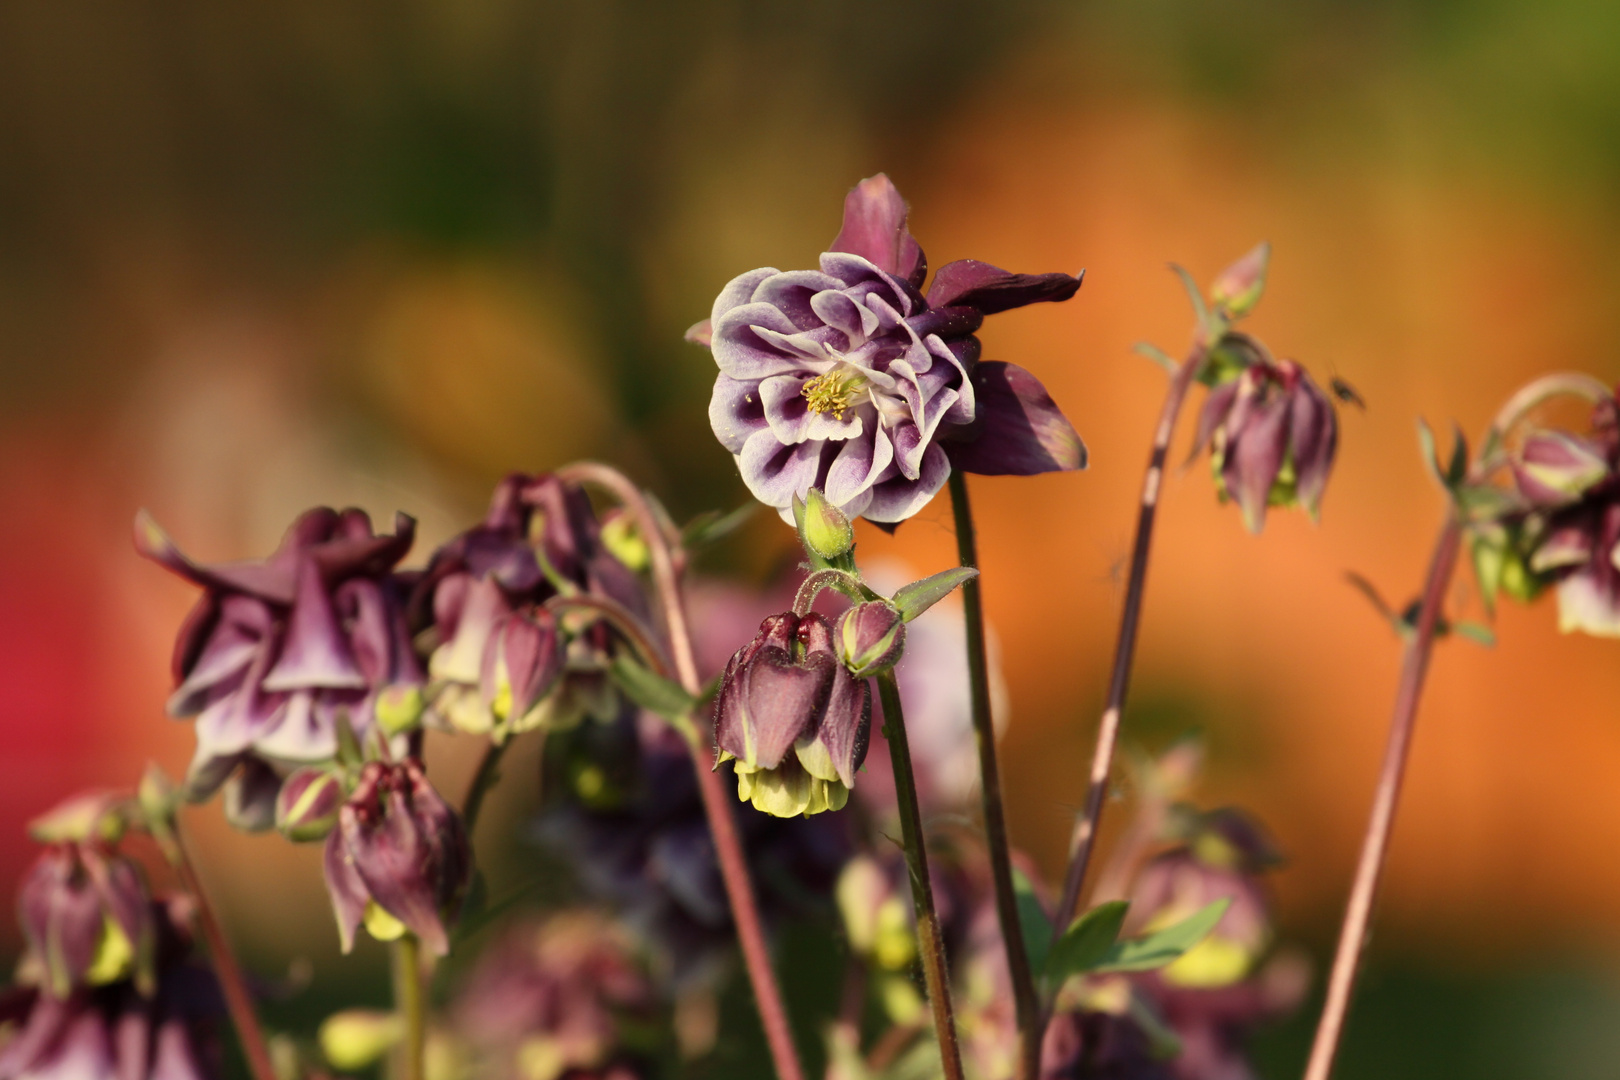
[1237,289]
[400,847]
[871,637]
[308,803]
[1554,468]
[785,690]
[90,816]
[624,540]
[823,527]
[399,708]
[356,1038]
[250,796]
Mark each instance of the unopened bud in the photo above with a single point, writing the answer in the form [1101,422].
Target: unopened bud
[94,815]
[307,805]
[871,637]
[1237,289]
[825,529]
[250,796]
[399,708]
[625,542]
[355,1038]
[1553,467]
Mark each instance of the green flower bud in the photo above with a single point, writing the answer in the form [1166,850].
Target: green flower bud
[308,803]
[355,1038]
[823,527]
[1239,286]
[399,707]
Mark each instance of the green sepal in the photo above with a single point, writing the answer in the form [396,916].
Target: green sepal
[650,690]
[1033,924]
[919,596]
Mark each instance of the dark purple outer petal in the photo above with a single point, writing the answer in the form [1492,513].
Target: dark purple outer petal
[875,229]
[989,289]
[1314,432]
[846,724]
[1254,456]
[1019,430]
[344,886]
[314,653]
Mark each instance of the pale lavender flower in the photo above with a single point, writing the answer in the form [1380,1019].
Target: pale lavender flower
[849,379]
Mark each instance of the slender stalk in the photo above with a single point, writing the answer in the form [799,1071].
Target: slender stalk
[1102,762]
[930,945]
[410,1000]
[238,1002]
[483,780]
[1026,1002]
[1374,848]
[716,806]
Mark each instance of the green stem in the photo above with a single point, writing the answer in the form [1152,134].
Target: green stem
[411,1002]
[483,781]
[1026,1002]
[930,945]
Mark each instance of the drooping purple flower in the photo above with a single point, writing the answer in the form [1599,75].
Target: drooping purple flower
[398,860]
[1569,527]
[279,648]
[86,915]
[554,991]
[496,649]
[119,1030]
[793,718]
[1272,435]
[849,379]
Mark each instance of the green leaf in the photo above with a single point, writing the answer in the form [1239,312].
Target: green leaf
[919,596]
[1431,451]
[1478,633]
[1197,298]
[1157,355]
[1457,471]
[1087,942]
[1032,922]
[1158,949]
[711,525]
[649,690]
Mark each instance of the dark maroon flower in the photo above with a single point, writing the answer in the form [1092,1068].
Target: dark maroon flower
[787,691]
[554,991]
[871,637]
[166,1030]
[1272,435]
[851,380]
[86,914]
[398,860]
[489,579]
[279,648]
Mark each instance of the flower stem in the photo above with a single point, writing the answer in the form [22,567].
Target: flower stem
[666,571]
[483,781]
[410,1001]
[238,1002]
[930,945]
[1026,1002]
[1374,848]
[1102,761]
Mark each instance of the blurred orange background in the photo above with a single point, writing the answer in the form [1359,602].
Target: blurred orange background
[260,258]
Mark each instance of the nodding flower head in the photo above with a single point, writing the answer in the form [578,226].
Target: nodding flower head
[850,379]
[398,860]
[1272,435]
[793,718]
[1568,534]
[278,649]
[86,915]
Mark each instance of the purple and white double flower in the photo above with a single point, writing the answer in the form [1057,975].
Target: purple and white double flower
[850,379]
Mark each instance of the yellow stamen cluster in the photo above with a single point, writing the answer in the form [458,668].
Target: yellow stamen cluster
[832,393]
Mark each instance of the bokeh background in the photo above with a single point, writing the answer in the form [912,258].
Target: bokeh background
[259,256]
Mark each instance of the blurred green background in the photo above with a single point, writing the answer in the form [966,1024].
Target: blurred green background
[258,256]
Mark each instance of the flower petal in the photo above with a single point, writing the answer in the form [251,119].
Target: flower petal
[775,473]
[896,498]
[314,652]
[875,229]
[1018,430]
[1313,432]
[736,411]
[989,289]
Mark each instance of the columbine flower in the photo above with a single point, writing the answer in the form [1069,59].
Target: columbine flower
[118,1030]
[398,860]
[279,648]
[1272,435]
[499,656]
[87,918]
[787,691]
[1564,527]
[546,1000]
[849,379]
